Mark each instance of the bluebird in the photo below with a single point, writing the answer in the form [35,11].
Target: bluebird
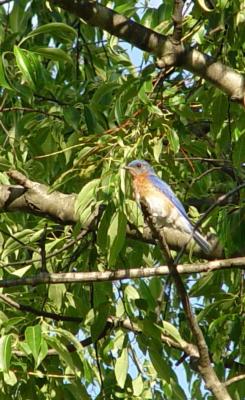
[161,201]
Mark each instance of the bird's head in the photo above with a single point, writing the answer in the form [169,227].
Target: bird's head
[138,167]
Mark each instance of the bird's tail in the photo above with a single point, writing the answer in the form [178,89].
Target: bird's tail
[203,243]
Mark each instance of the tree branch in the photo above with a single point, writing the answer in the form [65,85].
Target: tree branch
[32,310]
[189,349]
[204,365]
[177,20]
[121,274]
[167,52]
[234,379]
[36,198]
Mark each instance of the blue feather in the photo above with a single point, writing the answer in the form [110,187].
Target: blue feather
[166,189]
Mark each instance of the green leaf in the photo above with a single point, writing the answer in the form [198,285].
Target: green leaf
[147,295]
[10,378]
[116,236]
[138,386]
[170,330]
[143,95]
[3,81]
[103,227]
[104,94]
[161,366]
[100,320]
[24,65]
[119,110]
[5,352]
[56,294]
[30,67]
[90,119]
[53,53]
[19,16]
[150,329]
[33,337]
[61,350]
[21,271]
[121,368]
[131,293]
[72,117]
[11,245]
[86,200]
[43,352]
[58,30]
[203,286]
[173,140]
[239,150]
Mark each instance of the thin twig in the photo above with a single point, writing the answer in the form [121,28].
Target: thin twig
[42,242]
[31,110]
[204,362]
[39,313]
[234,379]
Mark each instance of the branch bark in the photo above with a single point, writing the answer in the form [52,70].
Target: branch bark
[204,365]
[36,198]
[189,349]
[167,51]
[121,274]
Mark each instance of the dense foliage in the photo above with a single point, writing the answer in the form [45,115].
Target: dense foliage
[75,109]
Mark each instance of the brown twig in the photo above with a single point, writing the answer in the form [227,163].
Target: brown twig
[167,53]
[234,379]
[189,349]
[118,275]
[31,110]
[204,365]
[121,274]
[39,313]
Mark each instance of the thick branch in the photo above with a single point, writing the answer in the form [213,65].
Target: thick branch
[164,48]
[220,75]
[33,197]
[118,275]
[177,20]
[36,198]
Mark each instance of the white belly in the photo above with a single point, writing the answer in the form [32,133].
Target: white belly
[166,214]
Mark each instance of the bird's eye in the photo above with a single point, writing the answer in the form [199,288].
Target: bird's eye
[139,165]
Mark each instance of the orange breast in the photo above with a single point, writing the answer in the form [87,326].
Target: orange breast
[141,185]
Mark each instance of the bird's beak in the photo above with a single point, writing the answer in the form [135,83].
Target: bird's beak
[127,168]
[130,169]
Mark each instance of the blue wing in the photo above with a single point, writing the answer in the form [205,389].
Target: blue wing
[166,189]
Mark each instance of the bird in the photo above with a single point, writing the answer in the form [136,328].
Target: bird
[161,201]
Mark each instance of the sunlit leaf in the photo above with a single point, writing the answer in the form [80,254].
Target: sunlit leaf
[86,200]
[121,368]
[33,337]
[58,30]
[53,53]
[5,352]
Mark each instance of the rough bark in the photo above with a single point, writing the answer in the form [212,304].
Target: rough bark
[121,274]
[36,198]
